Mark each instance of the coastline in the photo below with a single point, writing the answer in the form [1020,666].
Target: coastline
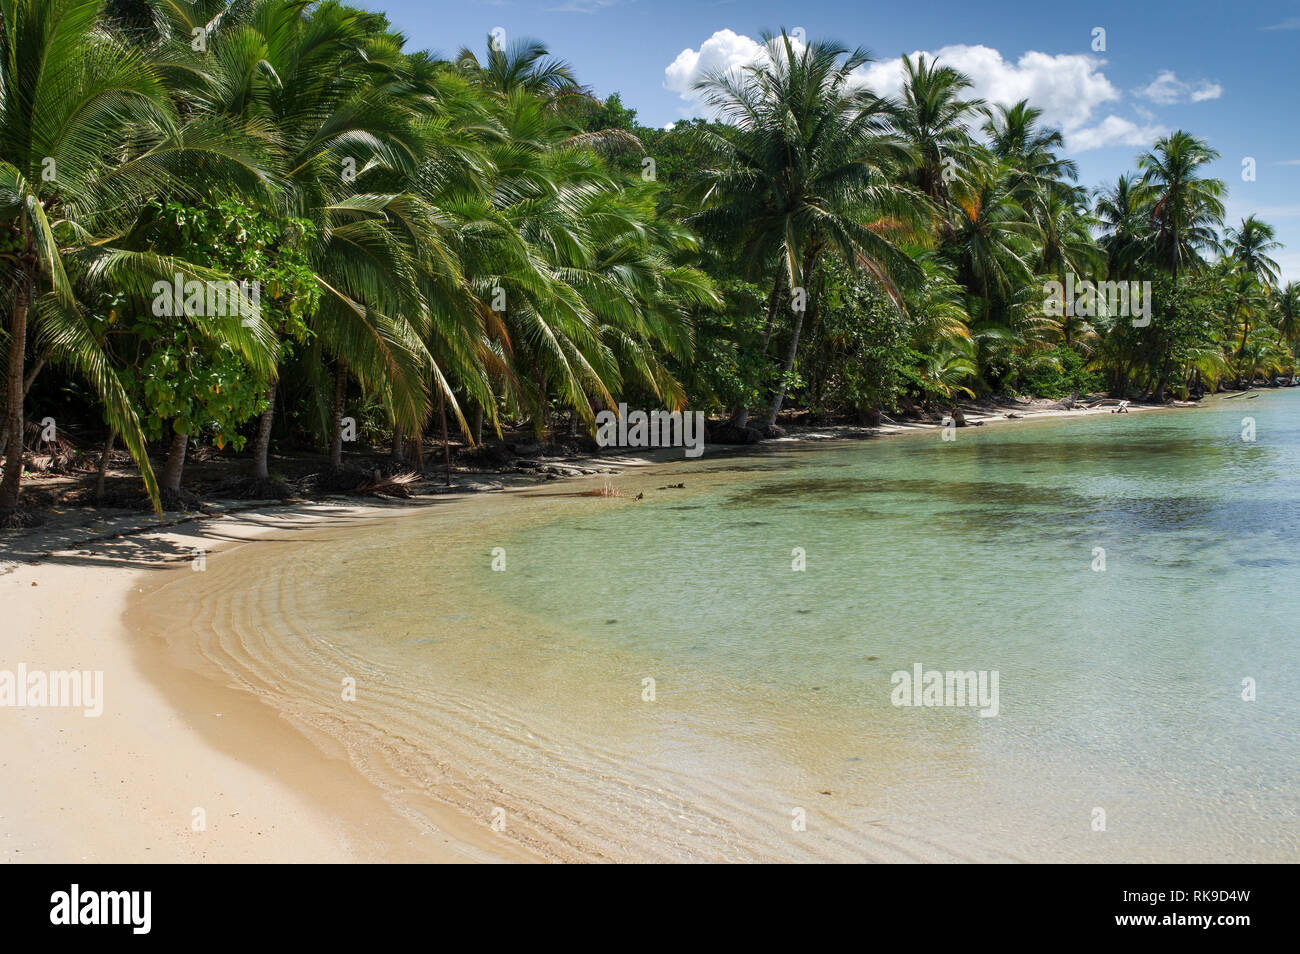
[123,787]
[173,738]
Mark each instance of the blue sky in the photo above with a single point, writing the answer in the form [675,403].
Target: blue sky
[1227,75]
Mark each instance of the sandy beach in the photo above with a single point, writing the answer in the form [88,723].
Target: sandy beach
[125,786]
[176,744]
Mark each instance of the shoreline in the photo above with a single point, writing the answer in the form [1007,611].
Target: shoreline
[285,793]
[65,525]
[173,739]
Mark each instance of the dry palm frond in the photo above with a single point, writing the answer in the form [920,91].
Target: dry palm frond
[395,486]
[58,455]
[607,490]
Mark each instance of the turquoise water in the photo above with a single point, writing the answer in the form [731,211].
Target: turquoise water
[651,680]
[978,554]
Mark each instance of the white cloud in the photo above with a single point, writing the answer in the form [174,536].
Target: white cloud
[1113,131]
[1067,87]
[723,51]
[1167,88]
[1070,88]
[1163,89]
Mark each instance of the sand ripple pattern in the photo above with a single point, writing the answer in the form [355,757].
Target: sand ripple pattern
[654,787]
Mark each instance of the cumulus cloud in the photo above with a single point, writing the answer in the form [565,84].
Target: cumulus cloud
[723,51]
[1114,131]
[1167,88]
[1070,88]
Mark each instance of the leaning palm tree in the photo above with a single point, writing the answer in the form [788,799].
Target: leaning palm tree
[810,168]
[1185,208]
[1250,245]
[88,134]
[336,104]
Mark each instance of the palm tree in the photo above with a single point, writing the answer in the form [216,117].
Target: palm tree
[576,287]
[1286,313]
[811,168]
[1247,303]
[990,241]
[1185,208]
[336,104]
[943,370]
[1066,247]
[1125,225]
[1015,135]
[932,117]
[88,133]
[1250,245]
[523,65]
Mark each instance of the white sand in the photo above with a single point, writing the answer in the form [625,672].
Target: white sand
[123,787]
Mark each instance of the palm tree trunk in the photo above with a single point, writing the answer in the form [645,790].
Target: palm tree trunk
[171,475]
[740,416]
[262,446]
[785,369]
[31,375]
[541,407]
[477,429]
[810,261]
[11,485]
[27,387]
[336,439]
[103,465]
[773,302]
[398,444]
[446,451]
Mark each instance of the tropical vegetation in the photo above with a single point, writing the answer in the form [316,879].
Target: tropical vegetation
[410,245]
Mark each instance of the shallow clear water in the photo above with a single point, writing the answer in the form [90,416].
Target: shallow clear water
[1119,689]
